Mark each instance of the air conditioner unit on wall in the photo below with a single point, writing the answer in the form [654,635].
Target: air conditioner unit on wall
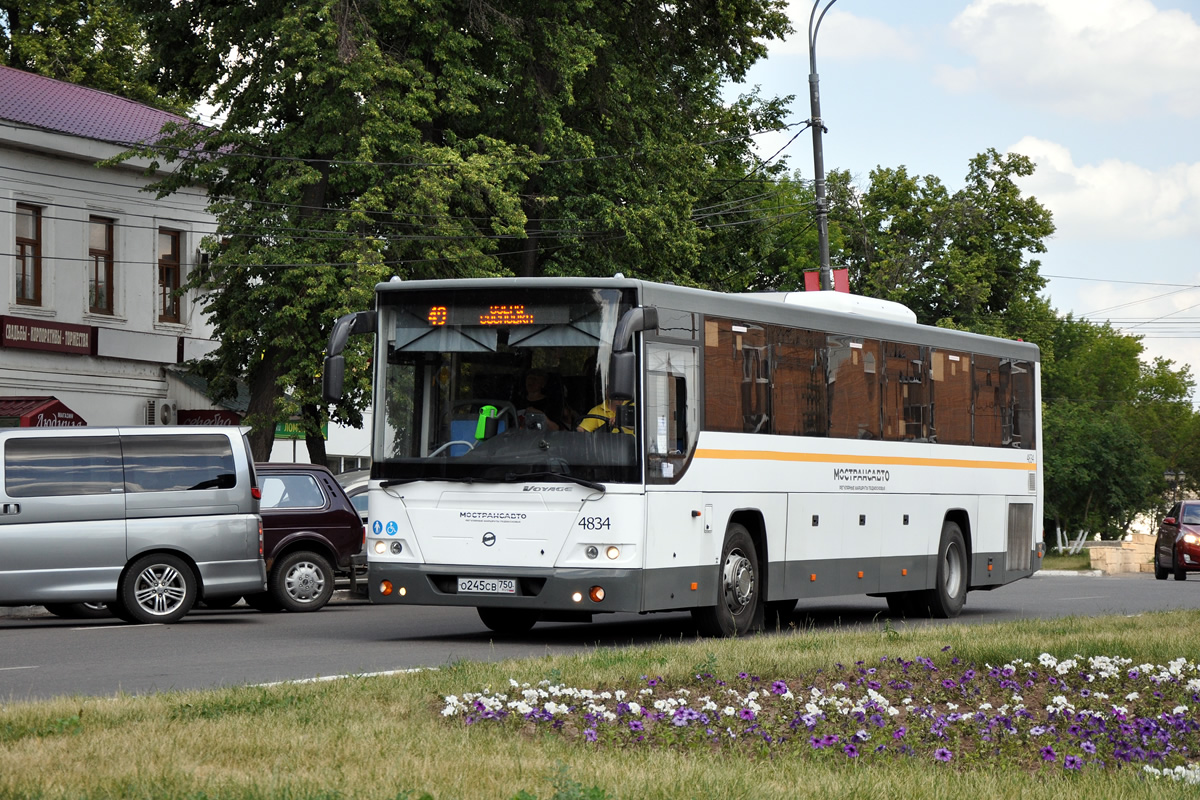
[161,412]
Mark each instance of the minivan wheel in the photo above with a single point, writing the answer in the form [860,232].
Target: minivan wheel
[79,610]
[302,581]
[157,588]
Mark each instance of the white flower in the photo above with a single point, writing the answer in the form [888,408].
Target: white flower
[620,694]
[635,709]
[1132,696]
[728,711]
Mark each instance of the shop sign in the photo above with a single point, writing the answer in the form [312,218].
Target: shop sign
[36,334]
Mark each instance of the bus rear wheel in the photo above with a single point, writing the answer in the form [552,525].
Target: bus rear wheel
[507,620]
[739,597]
[945,600]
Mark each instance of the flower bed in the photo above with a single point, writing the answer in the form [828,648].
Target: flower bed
[1070,715]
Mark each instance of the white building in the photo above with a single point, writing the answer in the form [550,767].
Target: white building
[89,268]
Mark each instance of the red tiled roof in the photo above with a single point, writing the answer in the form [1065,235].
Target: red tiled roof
[55,105]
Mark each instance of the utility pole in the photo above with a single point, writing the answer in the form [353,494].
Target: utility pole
[818,128]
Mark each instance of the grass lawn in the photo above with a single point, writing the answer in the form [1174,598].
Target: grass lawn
[886,710]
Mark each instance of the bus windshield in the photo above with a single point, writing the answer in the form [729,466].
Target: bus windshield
[501,386]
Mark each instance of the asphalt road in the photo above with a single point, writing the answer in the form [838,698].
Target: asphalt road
[43,656]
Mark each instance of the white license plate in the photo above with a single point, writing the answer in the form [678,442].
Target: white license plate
[487,585]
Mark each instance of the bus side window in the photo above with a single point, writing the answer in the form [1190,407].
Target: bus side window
[672,413]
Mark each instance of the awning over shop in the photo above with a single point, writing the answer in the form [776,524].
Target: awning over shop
[37,412]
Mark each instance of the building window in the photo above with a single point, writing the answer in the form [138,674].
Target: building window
[100,253]
[29,255]
[168,275]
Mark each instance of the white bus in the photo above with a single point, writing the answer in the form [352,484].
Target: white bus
[756,450]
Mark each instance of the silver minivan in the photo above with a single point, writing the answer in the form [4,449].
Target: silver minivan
[145,519]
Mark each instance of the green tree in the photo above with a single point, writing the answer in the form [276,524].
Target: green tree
[95,43]
[958,259]
[644,169]
[336,167]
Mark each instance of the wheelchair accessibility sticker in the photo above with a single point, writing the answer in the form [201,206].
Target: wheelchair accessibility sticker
[391,528]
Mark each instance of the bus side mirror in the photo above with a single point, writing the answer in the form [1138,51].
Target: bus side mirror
[332,378]
[622,364]
[622,375]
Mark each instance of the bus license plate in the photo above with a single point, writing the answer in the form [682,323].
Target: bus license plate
[488,585]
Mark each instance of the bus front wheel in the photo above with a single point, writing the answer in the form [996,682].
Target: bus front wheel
[945,600]
[739,594]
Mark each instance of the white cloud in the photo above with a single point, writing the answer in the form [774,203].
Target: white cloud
[1112,199]
[1105,59]
[845,36]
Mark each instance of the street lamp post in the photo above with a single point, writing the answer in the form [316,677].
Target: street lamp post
[818,128]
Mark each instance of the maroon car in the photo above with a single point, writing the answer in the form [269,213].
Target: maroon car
[1177,549]
[311,535]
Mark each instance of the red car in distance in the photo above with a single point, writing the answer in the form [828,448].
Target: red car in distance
[1177,548]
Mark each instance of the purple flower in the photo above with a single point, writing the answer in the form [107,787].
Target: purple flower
[899,734]
[746,714]
[635,725]
[743,675]
[942,754]
[1048,754]
[850,750]
[1089,748]
[818,743]
[1073,762]
[779,687]
[949,684]
[589,734]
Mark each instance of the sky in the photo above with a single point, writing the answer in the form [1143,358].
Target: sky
[1103,95]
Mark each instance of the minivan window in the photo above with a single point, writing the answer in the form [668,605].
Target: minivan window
[173,463]
[55,466]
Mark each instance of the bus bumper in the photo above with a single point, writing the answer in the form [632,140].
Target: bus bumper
[541,589]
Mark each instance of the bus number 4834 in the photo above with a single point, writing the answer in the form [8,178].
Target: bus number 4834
[595,523]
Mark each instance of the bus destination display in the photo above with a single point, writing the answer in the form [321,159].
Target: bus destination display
[494,315]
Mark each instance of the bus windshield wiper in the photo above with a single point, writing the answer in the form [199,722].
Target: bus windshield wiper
[399,481]
[512,477]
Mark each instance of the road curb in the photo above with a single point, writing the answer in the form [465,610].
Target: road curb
[1070,573]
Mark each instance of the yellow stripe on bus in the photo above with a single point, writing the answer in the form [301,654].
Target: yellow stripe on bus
[834,458]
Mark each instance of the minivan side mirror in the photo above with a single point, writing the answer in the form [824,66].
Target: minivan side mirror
[1169,521]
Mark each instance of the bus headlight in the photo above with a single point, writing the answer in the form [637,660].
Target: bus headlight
[397,548]
[596,593]
[577,597]
[613,552]
[381,547]
[592,551]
